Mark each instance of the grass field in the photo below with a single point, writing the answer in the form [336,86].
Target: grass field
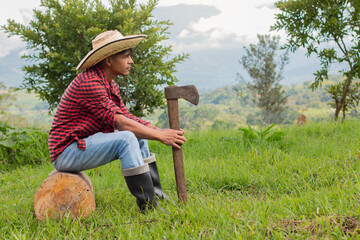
[305,186]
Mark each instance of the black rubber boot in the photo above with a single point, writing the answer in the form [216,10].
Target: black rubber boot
[141,186]
[156,181]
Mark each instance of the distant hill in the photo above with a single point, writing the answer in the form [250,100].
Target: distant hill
[222,108]
[219,108]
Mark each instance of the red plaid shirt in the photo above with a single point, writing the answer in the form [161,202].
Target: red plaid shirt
[87,106]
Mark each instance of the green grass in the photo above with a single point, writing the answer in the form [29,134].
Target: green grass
[305,186]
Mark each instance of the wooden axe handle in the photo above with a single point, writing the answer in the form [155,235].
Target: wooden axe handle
[173,111]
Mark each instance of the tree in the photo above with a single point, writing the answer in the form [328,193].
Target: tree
[265,69]
[60,35]
[329,29]
[352,98]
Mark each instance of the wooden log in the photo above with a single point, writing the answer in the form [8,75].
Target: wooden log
[64,192]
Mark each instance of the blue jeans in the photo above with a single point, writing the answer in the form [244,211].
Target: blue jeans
[102,148]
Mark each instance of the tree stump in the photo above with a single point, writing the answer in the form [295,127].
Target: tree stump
[64,192]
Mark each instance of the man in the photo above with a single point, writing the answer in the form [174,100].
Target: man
[92,126]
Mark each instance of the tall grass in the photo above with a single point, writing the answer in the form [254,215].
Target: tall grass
[304,186]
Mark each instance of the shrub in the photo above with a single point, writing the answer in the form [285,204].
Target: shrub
[251,134]
[21,146]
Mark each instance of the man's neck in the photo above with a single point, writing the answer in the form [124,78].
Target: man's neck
[110,75]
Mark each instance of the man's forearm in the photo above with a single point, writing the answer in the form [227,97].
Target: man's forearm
[151,126]
[125,124]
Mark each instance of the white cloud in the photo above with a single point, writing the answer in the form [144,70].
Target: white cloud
[184,34]
[9,44]
[269,5]
[25,51]
[238,18]
[239,21]
[164,3]
[20,11]
[17,71]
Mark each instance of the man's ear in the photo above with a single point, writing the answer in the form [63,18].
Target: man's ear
[107,61]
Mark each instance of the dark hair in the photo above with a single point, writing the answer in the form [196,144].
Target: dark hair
[119,53]
[123,51]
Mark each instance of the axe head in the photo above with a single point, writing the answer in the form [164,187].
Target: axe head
[188,92]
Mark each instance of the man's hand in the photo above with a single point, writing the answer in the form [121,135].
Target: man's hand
[172,137]
[169,137]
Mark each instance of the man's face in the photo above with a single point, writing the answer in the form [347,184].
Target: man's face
[121,63]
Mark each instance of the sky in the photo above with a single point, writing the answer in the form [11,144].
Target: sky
[238,20]
[213,32]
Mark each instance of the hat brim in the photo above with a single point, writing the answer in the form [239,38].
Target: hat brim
[95,56]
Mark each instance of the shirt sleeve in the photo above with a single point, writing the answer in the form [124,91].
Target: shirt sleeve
[93,95]
[127,114]
[125,111]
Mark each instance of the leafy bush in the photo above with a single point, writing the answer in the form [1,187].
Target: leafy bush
[251,134]
[21,146]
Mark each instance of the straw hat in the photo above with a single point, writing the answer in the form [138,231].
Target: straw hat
[106,44]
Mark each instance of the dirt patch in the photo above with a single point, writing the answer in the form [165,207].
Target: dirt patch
[348,225]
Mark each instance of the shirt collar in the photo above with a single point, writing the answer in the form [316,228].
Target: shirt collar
[99,69]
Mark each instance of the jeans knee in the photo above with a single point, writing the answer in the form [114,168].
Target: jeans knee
[129,151]
[129,137]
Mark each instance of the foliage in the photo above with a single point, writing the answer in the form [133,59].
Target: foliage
[190,117]
[60,36]
[251,134]
[265,69]
[220,108]
[330,30]
[226,112]
[352,98]
[21,146]
[223,124]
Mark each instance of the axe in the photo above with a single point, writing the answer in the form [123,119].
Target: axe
[172,94]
